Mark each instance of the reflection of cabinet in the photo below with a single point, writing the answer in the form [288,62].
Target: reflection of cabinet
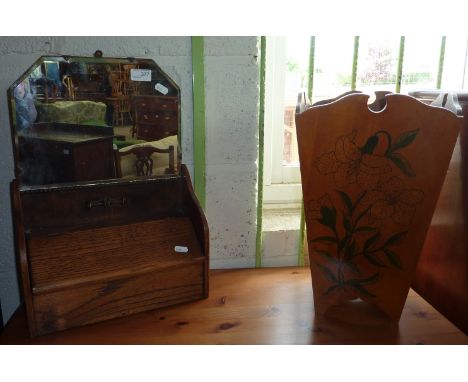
[98,251]
[155,117]
[54,155]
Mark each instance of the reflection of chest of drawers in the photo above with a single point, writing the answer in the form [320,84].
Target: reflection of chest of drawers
[155,117]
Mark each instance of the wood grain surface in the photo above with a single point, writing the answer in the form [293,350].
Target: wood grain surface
[55,259]
[254,306]
[92,275]
[442,273]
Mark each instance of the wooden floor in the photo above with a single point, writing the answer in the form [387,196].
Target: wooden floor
[254,306]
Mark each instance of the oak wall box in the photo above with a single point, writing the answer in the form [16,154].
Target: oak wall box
[93,245]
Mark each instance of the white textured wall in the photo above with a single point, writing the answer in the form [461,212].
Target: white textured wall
[232,95]
[231,121]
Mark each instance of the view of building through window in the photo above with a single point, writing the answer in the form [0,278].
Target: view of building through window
[377,69]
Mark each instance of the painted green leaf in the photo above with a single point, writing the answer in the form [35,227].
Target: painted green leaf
[403,164]
[331,289]
[362,214]
[324,239]
[362,290]
[328,273]
[365,229]
[395,239]
[371,240]
[393,258]
[328,217]
[374,260]
[326,255]
[404,140]
[346,200]
[370,145]
[369,280]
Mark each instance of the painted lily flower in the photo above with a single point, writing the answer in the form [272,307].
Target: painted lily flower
[349,164]
[392,200]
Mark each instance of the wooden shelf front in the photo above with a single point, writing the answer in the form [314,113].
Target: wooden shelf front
[81,256]
[94,252]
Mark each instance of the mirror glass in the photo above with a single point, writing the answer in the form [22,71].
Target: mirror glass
[81,119]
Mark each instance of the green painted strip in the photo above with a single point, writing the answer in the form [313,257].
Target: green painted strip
[441,61]
[401,56]
[310,84]
[300,261]
[310,89]
[261,137]
[198,68]
[355,62]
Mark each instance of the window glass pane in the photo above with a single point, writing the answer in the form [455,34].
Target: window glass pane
[296,66]
[454,63]
[377,64]
[333,66]
[421,63]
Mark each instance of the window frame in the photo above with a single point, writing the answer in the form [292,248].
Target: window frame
[282,183]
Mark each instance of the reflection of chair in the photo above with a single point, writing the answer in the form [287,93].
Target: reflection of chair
[121,110]
[121,82]
[68,82]
[116,84]
[144,162]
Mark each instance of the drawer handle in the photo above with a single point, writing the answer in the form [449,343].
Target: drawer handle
[107,202]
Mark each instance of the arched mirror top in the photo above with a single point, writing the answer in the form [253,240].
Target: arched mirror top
[88,119]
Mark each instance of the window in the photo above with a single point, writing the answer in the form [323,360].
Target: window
[328,66]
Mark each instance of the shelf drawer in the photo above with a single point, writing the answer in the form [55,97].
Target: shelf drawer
[102,204]
[103,300]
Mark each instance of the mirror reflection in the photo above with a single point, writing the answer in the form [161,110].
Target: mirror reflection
[85,118]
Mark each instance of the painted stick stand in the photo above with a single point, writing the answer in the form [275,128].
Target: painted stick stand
[370,184]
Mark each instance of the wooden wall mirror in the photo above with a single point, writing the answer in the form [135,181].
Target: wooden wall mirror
[105,218]
[81,119]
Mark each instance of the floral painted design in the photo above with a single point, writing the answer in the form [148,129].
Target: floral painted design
[354,235]
[348,244]
[350,164]
[392,200]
